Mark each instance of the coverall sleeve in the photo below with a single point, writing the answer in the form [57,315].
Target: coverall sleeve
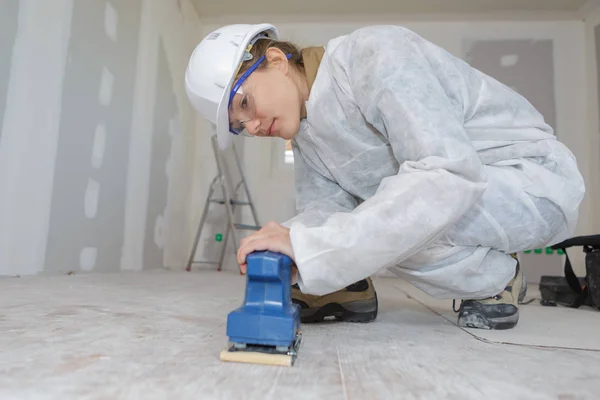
[316,196]
[396,82]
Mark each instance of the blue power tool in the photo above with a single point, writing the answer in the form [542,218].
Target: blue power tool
[266,328]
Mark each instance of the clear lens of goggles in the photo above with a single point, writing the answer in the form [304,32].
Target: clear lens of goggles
[241,110]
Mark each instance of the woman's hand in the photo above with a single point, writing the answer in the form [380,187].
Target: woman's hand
[271,237]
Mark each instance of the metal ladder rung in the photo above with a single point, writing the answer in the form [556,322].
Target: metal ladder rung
[233,202]
[247,227]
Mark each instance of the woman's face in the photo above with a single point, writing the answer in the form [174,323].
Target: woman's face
[270,101]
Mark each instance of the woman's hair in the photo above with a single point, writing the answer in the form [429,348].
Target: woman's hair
[260,49]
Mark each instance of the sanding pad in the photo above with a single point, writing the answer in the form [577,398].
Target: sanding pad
[266,355]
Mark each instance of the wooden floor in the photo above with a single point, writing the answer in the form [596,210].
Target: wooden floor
[157,335]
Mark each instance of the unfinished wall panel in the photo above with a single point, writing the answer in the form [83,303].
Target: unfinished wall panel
[87,215]
[527,66]
[8,33]
[166,122]
[597,47]
[96,147]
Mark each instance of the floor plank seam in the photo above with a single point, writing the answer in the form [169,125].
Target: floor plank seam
[337,350]
[539,347]
[274,385]
[532,346]
[213,331]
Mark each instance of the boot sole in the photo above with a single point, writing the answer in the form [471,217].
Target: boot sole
[356,311]
[479,321]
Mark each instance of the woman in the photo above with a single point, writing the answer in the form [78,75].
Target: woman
[405,157]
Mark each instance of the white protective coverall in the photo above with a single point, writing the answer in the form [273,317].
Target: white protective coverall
[411,159]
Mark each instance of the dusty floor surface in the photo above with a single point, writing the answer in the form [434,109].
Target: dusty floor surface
[157,335]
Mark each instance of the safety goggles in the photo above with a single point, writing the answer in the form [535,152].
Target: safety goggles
[241,105]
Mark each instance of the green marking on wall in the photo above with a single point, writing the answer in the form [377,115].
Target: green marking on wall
[547,250]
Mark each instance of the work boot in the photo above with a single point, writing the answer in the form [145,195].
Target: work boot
[355,303]
[497,312]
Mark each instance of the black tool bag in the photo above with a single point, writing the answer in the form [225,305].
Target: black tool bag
[571,290]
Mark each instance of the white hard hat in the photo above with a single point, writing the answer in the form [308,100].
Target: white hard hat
[212,68]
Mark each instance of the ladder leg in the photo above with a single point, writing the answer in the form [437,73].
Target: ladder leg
[224,248]
[225,189]
[241,171]
[231,218]
[201,225]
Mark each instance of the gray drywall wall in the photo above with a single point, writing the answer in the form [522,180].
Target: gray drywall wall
[9,16]
[88,200]
[165,124]
[525,65]
[597,47]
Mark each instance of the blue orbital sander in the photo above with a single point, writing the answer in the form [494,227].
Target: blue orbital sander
[266,328]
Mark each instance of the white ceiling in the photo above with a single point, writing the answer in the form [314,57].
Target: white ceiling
[340,8]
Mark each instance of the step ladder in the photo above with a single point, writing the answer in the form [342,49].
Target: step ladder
[230,202]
